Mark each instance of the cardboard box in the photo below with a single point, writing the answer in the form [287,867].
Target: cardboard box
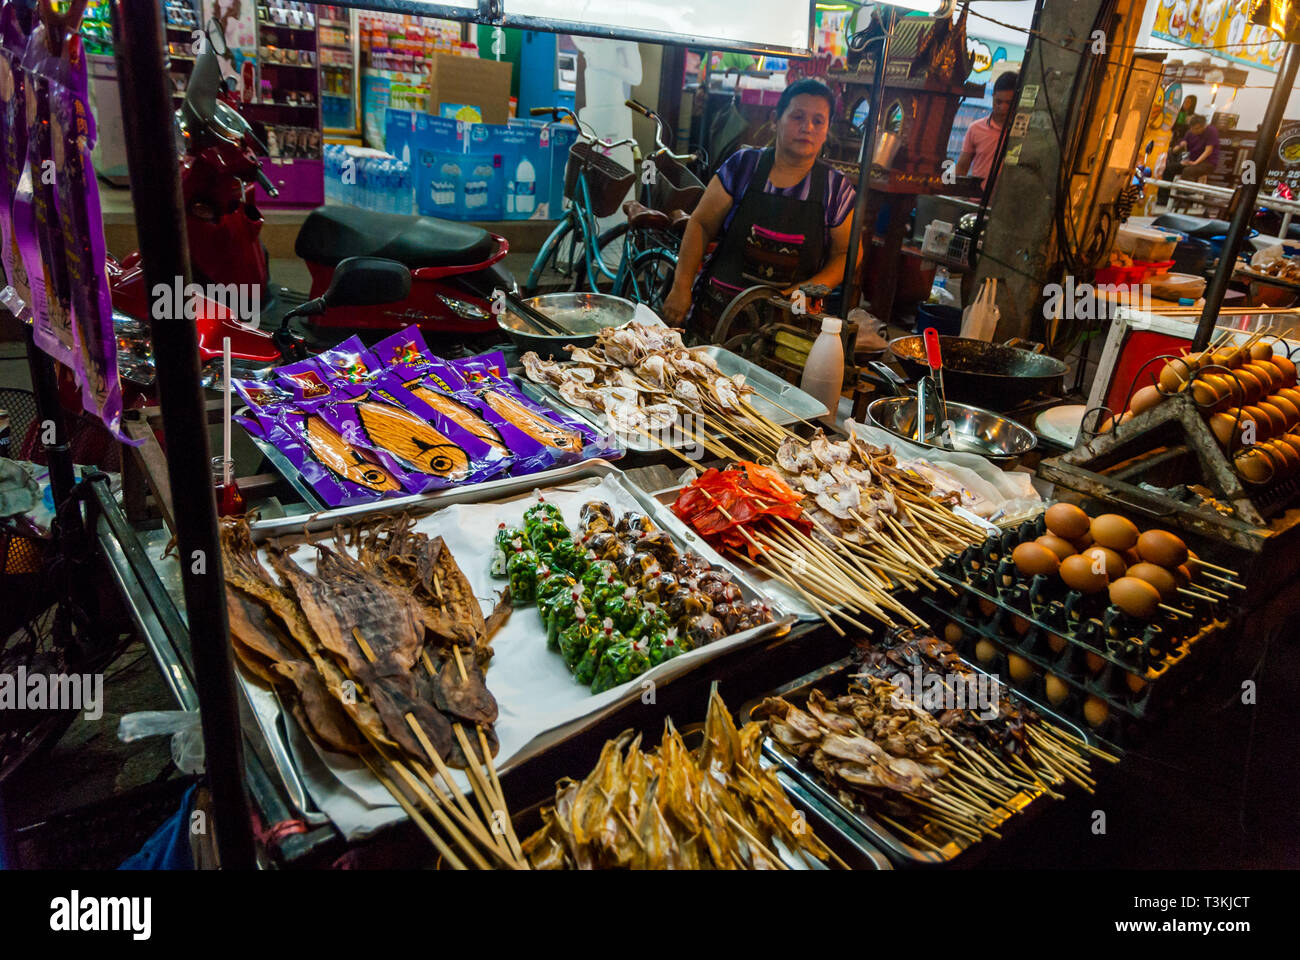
[466,80]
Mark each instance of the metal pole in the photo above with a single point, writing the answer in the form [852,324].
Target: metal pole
[160,224]
[1245,197]
[58,456]
[850,281]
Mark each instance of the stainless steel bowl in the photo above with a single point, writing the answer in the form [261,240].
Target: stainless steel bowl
[582,314]
[974,429]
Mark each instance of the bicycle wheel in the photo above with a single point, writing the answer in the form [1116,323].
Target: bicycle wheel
[610,245]
[649,278]
[560,262]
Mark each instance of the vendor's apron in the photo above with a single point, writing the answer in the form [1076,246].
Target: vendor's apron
[773,239]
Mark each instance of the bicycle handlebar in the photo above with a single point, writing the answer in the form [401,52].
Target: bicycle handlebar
[583,128]
[659,129]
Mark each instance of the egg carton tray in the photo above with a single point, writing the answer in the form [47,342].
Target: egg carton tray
[988,577]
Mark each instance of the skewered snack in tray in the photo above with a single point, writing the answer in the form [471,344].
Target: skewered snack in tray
[674,808]
[383,653]
[928,776]
[617,598]
[835,520]
[1006,725]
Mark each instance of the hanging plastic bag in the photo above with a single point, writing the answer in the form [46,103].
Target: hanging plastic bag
[183,725]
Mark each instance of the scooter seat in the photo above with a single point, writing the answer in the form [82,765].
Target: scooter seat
[334,233]
[1199,227]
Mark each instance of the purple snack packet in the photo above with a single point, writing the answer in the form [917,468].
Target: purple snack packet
[72,135]
[424,448]
[338,472]
[36,216]
[569,440]
[17,296]
[349,361]
[306,380]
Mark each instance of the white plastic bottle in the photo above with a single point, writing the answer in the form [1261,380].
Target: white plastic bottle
[525,187]
[823,374]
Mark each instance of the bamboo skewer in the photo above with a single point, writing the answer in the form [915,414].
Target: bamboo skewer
[469,821]
[437,841]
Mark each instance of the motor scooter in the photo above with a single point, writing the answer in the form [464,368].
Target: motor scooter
[455,267]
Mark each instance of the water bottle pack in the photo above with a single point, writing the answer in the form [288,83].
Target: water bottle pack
[368,178]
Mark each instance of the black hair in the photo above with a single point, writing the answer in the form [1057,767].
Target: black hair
[1006,81]
[809,87]
[1196,120]
[1189,103]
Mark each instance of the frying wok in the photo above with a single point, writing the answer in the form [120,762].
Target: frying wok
[993,375]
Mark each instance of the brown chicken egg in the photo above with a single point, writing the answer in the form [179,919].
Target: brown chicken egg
[1111,422]
[1263,424]
[1057,642]
[1058,545]
[1080,573]
[1261,351]
[1292,394]
[1083,542]
[1057,691]
[1184,574]
[1094,662]
[1225,358]
[1251,386]
[1135,683]
[1208,393]
[1254,466]
[1113,531]
[987,607]
[1109,559]
[1135,597]
[1144,400]
[1130,556]
[985,652]
[1174,374]
[1160,578]
[1223,424]
[1067,521]
[1291,440]
[952,632]
[1095,711]
[1162,548]
[1284,364]
[1285,459]
[1290,412]
[1268,374]
[1276,418]
[1020,625]
[1032,559]
[1021,670]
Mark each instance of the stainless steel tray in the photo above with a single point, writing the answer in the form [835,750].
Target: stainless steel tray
[768,387]
[809,786]
[270,720]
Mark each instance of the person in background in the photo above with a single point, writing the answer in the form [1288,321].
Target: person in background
[780,216]
[980,147]
[1174,161]
[1202,146]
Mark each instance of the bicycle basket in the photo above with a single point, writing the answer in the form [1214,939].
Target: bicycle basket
[675,188]
[608,181]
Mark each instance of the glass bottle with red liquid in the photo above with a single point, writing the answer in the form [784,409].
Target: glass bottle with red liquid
[230,502]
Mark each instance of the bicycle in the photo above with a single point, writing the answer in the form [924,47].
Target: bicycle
[647,243]
[643,269]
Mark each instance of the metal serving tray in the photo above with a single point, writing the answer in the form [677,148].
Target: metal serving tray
[270,720]
[768,387]
[809,786]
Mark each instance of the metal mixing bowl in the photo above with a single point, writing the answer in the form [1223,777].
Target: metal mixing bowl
[974,430]
[584,314]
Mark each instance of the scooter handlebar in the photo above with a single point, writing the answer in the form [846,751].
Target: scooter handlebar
[265,182]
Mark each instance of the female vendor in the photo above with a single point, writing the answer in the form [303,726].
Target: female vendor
[780,216]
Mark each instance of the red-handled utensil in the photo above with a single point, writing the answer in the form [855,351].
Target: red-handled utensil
[934,357]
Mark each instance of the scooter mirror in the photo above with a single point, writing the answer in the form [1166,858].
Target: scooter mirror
[360,281]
